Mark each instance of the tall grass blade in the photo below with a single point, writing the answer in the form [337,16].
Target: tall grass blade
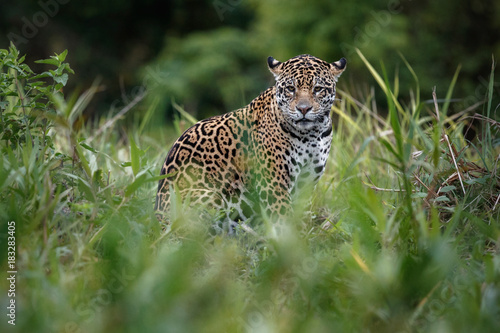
[381,82]
[444,109]
[192,120]
[488,144]
[417,84]
[134,156]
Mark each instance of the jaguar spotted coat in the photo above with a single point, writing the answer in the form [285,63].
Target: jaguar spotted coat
[253,161]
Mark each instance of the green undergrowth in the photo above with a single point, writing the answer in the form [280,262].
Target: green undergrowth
[403,234]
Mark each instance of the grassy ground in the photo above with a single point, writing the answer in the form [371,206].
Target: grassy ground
[404,237]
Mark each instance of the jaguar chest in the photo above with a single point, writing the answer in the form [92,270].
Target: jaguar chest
[308,156]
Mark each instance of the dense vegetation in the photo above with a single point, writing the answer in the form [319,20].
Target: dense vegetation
[404,235]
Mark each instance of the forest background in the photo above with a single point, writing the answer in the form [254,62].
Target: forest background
[211,55]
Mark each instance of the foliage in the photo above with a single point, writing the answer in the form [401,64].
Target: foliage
[114,40]
[403,237]
[214,70]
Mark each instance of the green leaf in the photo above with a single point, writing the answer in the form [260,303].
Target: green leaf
[13,50]
[37,84]
[14,66]
[136,184]
[442,198]
[42,75]
[89,148]
[26,68]
[68,68]
[63,55]
[48,62]
[448,188]
[419,195]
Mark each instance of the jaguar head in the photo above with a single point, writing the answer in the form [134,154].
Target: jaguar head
[305,89]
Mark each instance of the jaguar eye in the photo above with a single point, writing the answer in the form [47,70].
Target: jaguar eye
[317,89]
[290,88]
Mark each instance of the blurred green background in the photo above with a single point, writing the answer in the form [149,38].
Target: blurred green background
[210,56]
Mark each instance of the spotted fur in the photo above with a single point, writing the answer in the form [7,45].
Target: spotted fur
[255,159]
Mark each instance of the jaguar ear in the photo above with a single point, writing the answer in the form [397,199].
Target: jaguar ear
[274,66]
[338,67]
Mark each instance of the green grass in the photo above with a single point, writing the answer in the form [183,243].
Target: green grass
[404,235]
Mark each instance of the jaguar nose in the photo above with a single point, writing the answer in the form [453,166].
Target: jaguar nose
[304,108]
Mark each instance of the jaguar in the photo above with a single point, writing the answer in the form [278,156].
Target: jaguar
[254,161]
